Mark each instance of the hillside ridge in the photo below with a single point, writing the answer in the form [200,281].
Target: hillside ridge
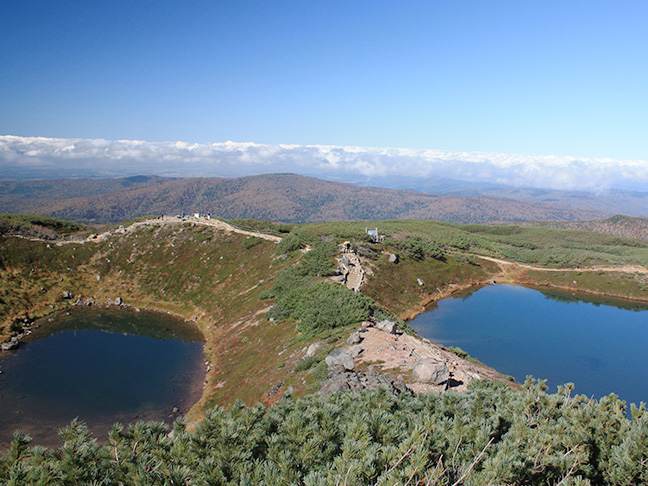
[273,197]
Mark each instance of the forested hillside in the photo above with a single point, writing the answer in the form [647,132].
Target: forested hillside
[619,225]
[274,197]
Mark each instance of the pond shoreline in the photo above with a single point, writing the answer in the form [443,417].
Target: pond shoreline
[120,321]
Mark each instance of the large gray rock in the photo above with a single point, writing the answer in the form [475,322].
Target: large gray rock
[355,351]
[387,326]
[339,359]
[355,338]
[431,371]
[392,258]
[356,381]
[312,349]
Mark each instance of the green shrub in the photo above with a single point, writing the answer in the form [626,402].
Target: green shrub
[289,244]
[319,261]
[462,354]
[251,241]
[306,364]
[417,248]
[490,434]
[266,294]
[322,306]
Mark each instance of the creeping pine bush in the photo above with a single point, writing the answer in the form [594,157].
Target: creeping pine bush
[417,248]
[289,244]
[251,241]
[490,434]
[321,306]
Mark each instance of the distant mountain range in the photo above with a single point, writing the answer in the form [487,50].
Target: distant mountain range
[278,197]
[614,201]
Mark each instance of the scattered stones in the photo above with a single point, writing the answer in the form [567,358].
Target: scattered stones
[365,326]
[431,371]
[275,388]
[13,344]
[339,359]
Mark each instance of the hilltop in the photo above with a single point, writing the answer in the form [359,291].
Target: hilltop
[274,197]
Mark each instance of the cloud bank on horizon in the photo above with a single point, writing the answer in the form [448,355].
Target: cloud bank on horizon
[44,158]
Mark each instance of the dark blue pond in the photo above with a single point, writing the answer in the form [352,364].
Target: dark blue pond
[103,367]
[600,346]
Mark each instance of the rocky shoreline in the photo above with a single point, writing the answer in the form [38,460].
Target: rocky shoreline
[380,355]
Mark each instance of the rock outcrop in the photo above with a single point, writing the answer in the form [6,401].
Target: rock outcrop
[350,268]
[383,352]
[386,326]
[338,359]
[357,381]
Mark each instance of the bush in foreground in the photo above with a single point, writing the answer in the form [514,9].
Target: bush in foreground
[488,435]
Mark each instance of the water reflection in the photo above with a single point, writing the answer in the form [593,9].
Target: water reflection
[598,344]
[103,366]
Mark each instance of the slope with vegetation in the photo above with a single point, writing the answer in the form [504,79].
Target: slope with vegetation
[260,304]
[488,435]
[275,197]
[619,225]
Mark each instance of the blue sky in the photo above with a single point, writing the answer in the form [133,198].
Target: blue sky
[522,77]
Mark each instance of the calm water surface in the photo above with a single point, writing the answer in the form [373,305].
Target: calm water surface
[102,366]
[562,338]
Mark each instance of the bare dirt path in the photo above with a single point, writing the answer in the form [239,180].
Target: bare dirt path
[169,220]
[604,268]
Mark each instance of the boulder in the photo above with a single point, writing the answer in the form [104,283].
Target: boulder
[118,301]
[339,359]
[355,338]
[392,258]
[355,351]
[431,371]
[357,381]
[67,294]
[386,326]
[312,349]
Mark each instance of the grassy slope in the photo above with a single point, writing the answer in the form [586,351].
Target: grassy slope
[194,272]
[215,278]
[396,286]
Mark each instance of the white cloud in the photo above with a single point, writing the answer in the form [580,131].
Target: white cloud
[22,157]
